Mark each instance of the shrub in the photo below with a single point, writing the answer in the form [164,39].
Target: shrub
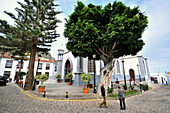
[42,78]
[132,87]
[85,77]
[125,87]
[110,90]
[58,76]
[69,76]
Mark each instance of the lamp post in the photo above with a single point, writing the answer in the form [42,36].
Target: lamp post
[94,56]
[34,86]
[124,72]
[139,73]
[139,78]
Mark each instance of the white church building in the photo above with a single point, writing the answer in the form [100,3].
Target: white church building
[135,67]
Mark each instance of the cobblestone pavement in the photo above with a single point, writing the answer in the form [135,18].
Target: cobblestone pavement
[12,100]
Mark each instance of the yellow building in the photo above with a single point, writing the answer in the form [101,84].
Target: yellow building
[169,77]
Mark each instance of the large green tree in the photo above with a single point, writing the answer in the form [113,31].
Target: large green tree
[108,32]
[14,42]
[38,20]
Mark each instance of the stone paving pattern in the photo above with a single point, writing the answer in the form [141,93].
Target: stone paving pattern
[12,100]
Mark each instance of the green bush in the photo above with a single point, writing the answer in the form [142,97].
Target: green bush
[126,94]
[69,76]
[110,90]
[132,87]
[85,77]
[58,76]
[125,87]
[21,74]
[42,77]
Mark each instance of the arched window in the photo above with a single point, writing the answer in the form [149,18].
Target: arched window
[118,67]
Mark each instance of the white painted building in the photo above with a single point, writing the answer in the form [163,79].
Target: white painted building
[134,66]
[160,78]
[10,67]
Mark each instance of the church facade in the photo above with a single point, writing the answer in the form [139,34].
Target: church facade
[135,67]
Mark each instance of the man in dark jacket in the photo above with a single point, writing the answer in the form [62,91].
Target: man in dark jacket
[104,97]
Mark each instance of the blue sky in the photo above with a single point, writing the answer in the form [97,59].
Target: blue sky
[156,36]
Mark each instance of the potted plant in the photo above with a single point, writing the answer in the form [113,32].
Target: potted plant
[69,77]
[21,74]
[42,78]
[132,87]
[85,78]
[58,77]
[131,79]
[117,82]
[125,87]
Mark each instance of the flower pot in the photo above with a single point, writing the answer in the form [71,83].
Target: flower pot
[10,79]
[58,81]
[69,83]
[88,85]
[131,80]
[41,89]
[85,90]
[117,82]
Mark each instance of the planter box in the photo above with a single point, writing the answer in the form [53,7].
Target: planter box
[117,82]
[89,85]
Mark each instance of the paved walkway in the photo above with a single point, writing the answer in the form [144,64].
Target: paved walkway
[58,90]
[12,100]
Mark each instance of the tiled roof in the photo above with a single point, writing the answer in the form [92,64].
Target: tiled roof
[42,60]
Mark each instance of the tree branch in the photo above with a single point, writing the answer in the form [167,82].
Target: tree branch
[102,51]
[114,45]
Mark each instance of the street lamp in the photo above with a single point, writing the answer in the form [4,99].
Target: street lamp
[139,78]
[139,73]
[34,87]
[94,56]
[124,72]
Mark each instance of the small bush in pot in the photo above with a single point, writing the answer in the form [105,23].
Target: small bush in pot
[85,78]
[42,78]
[117,81]
[69,77]
[58,77]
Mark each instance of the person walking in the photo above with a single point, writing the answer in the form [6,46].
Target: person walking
[104,97]
[121,97]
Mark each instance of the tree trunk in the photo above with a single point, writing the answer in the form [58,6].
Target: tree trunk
[30,75]
[20,66]
[105,75]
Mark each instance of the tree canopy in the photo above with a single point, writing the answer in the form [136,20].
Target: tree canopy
[108,32]
[35,26]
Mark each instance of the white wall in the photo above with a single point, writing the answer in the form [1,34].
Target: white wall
[25,67]
[159,75]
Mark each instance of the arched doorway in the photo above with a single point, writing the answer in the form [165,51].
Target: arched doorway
[132,74]
[68,68]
